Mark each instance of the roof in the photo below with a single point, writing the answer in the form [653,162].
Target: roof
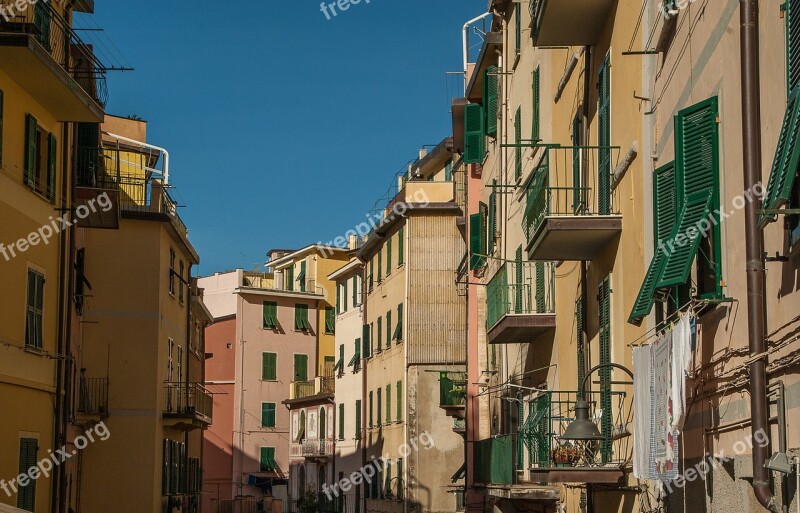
[347,269]
[286,259]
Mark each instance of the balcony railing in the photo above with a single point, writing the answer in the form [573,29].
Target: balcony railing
[93,396]
[55,35]
[521,288]
[571,208]
[312,449]
[452,389]
[191,400]
[303,389]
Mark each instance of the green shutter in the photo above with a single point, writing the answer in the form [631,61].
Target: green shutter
[398,331]
[357,349]
[537,109]
[792,43]
[52,158]
[604,324]
[401,242]
[338,298]
[269,366]
[476,259]
[491,100]
[301,322]
[290,278]
[355,291]
[580,342]
[380,266]
[270,315]
[379,403]
[31,156]
[1,128]
[267,414]
[787,155]
[341,422]
[389,332]
[301,367]
[388,403]
[268,459]
[474,141]
[492,217]
[379,338]
[371,273]
[370,424]
[399,401]
[165,466]
[518,141]
[518,285]
[358,419]
[679,257]
[604,138]
[518,34]
[644,301]
[541,299]
[330,320]
[367,349]
[28,453]
[302,277]
[344,296]
[389,257]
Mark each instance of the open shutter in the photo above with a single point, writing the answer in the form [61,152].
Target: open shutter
[475,223]
[492,234]
[604,138]
[388,257]
[300,367]
[536,93]
[52,157]
[474,142]
[398,332]
[680,253]
[793,43]
[518,141]
[31,157]
[491,99]
[401,242]
[580,342]
[388,403]
[787,155]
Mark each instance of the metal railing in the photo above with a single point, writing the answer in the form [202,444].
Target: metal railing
[312,448]
[188,400]
[57,37]
[303,389]
[571,181]
[93,396]
[526,288]
[452,388]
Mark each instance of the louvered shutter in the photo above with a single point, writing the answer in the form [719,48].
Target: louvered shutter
[491,99]
[474,142]
[787,156]
[604,138]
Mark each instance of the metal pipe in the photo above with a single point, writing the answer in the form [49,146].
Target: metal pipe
[754,240]
[163,151]
[465,35]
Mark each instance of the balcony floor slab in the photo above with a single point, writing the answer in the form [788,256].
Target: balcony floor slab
[573,238]
[521,328]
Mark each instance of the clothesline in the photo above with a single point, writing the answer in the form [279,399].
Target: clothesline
[653,332]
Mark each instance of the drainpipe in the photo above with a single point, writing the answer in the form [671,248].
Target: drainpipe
[754,239]
[587,85]
[465,34]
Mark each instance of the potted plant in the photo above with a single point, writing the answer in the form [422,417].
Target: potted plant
[566,456]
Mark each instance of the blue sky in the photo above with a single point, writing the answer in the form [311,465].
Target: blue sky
[284,128]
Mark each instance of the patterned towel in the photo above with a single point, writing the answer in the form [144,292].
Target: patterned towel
[663,441]
[642,415]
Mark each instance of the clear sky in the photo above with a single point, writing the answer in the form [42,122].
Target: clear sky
[284,127]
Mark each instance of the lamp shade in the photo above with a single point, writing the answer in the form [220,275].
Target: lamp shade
[582,428]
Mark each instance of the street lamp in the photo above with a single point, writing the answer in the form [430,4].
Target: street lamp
[582,429]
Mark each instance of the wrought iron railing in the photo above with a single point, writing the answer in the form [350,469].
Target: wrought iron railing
[521,288]
[55,35]
[302,389]
[188,400]
[93,396]
[452,388]
[570,181]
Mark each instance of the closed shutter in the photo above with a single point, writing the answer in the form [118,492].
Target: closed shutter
[52,156]
[31,155]
[399,401]
[290,278]
[380,407]
[367,347]
[389,332]
[35,310]
[580,342]
[474,141]
[401,242]
[518,33]
[537,110]
[28,454]
[389,257]
[341,422]
[301,367]
[355,291]
[541,303]
[787,155]
[269,366]
[358,419]
[338,298]
[344,297]
[491,99]
[379,338]
[301,322]
[165,467]
[518,141]
[518,279]
[370,409]
[604,138]
[604,301]
[267,414]
[380,266]
[302,277]
[492,233]
[388,403]
[270,315]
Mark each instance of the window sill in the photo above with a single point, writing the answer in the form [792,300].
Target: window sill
[33,350]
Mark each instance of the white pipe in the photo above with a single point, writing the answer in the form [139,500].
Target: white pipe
[465,32]
[164,167]
[797,488]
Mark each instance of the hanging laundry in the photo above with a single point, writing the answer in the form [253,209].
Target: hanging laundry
[642,415]
[680,364]
[664,441]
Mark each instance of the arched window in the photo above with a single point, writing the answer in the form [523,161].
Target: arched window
[301,429]
[301,482]
[322,433]
[323,477]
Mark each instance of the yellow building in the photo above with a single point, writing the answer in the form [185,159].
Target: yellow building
[49,82]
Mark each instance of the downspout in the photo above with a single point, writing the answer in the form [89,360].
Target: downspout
[465,36]
[187,352]
[754,239]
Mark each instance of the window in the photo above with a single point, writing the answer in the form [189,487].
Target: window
[604,137]
[604,324]
[338,298]
[268,459]
[695,180]
[380,407]
[356,290]
[380,333]
[474,134]
[341,422]
[28,456]
[380,265]
[389,257]
[388,329]
[491,104]
[399,401]
[477,238]
[400,479]
[448,177]
[366,334]
[267,414]
[35,310]
[40,159]
[536,93]
[339,367]
[290,278]
[301,278]
[269,366]
[301,322]
[330,320]
[398,332]
[401,241]
[344,297]
[518,34]
[388,403]
[270,314]
[180,282]
[358,419]
[370,409]
[371,273]
[491,235]
[518,141]
[301,367]
[172,271]
[170,349]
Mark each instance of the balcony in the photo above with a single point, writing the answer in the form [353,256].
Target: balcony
[92,399]
[42,53]
[568,22]
[313,449]
[571,210]
[453,393]
[125,178]
[187,406]
[520,301]
[320,386]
